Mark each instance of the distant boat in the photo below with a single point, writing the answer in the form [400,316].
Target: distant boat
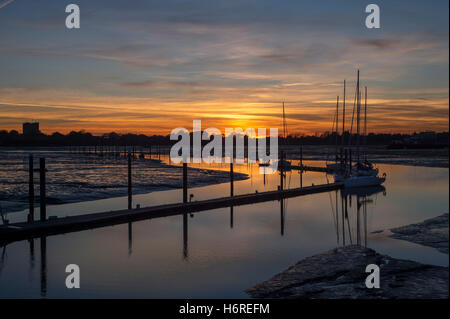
[282,163]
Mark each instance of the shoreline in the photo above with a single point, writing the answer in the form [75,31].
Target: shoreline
[430,164]
[432,232]
[340,273]
[212,177]
[378,155]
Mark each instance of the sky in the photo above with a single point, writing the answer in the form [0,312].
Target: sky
[151,66]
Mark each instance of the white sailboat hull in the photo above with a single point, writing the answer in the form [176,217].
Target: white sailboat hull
[360,181]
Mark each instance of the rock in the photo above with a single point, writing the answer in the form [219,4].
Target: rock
[340,273]
[432,232]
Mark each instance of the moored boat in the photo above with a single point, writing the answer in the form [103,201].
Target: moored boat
[362,173]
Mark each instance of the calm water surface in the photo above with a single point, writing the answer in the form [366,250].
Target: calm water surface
[219,253]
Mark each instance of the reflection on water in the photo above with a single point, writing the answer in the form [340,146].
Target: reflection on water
[220,252]
[43,266]
[340,211]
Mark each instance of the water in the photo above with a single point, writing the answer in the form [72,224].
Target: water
[219,253]
[80,177]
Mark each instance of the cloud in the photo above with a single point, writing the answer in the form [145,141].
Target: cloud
[381,44]
[161,84]
[232,62]
[4,4]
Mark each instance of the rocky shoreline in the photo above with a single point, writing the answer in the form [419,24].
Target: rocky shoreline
[432,232]
[340,273]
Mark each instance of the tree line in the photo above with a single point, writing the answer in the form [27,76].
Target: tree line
[82,138]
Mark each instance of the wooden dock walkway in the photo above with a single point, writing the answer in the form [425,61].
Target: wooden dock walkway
[53,226]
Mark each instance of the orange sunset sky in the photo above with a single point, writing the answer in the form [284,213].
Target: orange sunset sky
[151,66]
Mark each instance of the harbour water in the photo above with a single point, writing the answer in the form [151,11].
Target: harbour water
[219,253]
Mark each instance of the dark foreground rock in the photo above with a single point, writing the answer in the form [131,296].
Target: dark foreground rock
[432,232]
[340,273]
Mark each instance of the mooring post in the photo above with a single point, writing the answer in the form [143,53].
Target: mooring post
[185,191]
[42,199]
[301,157]
[231,180]
[301,178]
[282,217]
[129,182]
[301,166]
[30,189]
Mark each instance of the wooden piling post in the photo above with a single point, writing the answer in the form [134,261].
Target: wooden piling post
[301,178]
[301,157]
[231,180]
[43,208]
[282,217]
[30,189]
[185,190]
[301,166]
[129,182]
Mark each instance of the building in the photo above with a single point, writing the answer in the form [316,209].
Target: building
[30,129]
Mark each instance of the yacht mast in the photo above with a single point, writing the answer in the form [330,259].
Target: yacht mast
[337,127]
[284,124]
[358,110]
[343,118]
[365,117]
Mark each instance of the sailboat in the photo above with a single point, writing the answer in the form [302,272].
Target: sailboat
[363,173]
[282,163]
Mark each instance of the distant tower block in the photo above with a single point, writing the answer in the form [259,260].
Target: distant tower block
[30,129]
